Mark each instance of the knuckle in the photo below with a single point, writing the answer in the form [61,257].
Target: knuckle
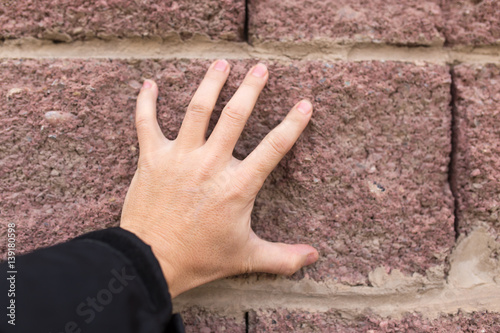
[209,169]
[282,268]
[278,143]
[253,83]
[239,189]
[235,114]
[262,168]
[142,123]
[289,268]
[199,110]
[205,171]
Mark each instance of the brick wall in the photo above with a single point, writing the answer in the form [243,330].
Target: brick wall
[396,181]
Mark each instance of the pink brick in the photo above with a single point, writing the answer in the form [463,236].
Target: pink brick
[472,22]
[281,320]
[477,165]
[347,21]
[64,179]
[366,184]
[62,20]
[197,320]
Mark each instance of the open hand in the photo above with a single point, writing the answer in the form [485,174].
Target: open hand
[191,200]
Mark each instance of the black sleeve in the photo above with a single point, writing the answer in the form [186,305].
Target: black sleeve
[103,281]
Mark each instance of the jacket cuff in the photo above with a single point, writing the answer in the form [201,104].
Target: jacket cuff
[142,258]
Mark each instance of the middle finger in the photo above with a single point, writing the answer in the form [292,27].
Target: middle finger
[238,109]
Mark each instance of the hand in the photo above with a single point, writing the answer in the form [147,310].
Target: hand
[191,200]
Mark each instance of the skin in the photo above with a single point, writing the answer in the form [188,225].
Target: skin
[191,200]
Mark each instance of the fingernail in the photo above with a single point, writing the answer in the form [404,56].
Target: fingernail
[311,258]
[147,84]
[220,65]
[305,107]
[259,70]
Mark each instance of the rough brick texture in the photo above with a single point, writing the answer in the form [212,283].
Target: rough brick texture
[64,21]
[366,183]
[197,320]
[67,173]
[378,21]
[468,22]
[477,160]
[294,321]
[472,22]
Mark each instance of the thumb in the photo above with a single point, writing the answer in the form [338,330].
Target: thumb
[280,258]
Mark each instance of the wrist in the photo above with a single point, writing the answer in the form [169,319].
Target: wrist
[171,272]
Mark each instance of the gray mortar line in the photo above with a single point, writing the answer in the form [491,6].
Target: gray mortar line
[234,300]
[471,284]
[198,47]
